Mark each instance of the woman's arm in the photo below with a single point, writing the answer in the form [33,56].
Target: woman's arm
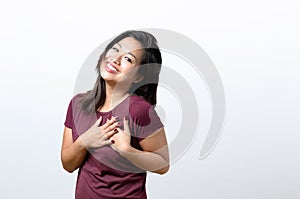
[72,153]
[155,157]
[155,154]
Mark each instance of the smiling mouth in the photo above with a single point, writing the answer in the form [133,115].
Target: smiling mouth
[110,68]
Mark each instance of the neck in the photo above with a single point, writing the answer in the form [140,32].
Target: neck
[113,96]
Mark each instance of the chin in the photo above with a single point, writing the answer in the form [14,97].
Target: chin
[108,78]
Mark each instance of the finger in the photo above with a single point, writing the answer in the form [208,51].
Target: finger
[97,123]
[113,146]
[107,142]
[111,133]
[111,127]
[108,134]
[126,126]
[109,122]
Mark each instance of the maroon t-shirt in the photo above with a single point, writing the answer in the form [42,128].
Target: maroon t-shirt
[105,174]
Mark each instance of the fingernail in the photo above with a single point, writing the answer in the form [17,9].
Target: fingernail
[116,130]
[112,141]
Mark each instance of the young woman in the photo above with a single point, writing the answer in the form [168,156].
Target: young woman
[112,132]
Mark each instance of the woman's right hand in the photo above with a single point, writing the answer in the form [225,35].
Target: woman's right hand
[98,136]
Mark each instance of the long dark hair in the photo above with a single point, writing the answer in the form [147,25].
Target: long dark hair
[150,68]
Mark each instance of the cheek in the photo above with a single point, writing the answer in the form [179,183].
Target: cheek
[101,65]
[129,74]
[128,67]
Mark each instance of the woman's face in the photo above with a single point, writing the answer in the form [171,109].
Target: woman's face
[121,62]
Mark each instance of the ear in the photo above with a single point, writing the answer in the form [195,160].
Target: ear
[138,79]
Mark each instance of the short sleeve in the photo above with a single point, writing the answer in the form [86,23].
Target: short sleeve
[69,117]
[144,119]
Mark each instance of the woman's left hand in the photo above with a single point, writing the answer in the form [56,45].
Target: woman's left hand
[121,140]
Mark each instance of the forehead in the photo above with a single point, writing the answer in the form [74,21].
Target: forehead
[130,44]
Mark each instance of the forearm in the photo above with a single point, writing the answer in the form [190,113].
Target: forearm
[149,161]
[73,156]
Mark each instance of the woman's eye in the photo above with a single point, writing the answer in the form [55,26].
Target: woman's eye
[115,49]
[128,59]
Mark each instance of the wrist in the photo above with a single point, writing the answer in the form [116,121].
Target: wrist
[126,150]
[82,144]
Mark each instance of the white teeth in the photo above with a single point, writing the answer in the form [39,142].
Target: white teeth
[111,67]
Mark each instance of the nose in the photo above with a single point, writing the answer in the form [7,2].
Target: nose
[116,59]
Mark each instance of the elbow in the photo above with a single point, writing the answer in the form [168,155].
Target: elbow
[68,169]
[163,170]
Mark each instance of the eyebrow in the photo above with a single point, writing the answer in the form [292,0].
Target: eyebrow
[128,52]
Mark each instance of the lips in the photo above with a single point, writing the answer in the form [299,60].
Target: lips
[110,68]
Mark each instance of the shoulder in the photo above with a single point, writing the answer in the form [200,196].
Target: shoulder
[139,105]
[140,110]
[75,101]
[77,97]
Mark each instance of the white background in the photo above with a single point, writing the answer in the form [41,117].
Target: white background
[254,45]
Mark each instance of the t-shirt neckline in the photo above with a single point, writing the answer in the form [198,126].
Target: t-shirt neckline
[108,112]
